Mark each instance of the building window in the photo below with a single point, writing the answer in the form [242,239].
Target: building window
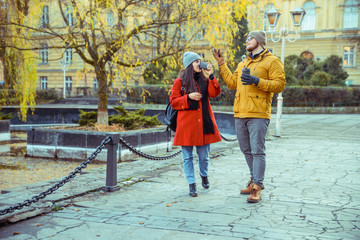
[68,84]
[44,54]
[200,35]
[94,21]
[351,14]
[349,57]
[309,20]
[69,16]
[307,54]
[163,30]
[265,18]
[183,32]
[43,83]
[95,85]
[3,5]
[44,21]
[110,19]
[68,55]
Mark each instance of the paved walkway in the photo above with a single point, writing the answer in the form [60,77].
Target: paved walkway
[312,192]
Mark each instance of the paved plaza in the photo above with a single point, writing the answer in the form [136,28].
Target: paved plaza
[312,191]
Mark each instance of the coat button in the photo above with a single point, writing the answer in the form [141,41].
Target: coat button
[199,120]
[257,96]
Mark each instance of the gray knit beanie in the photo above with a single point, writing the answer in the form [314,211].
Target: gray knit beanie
[189,58]
[260,37]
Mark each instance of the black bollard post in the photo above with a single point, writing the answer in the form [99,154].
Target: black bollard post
[111,167]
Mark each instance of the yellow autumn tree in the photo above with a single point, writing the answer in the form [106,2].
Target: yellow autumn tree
[16,52]
[114,37]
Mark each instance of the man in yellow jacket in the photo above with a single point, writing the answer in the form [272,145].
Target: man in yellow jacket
[256,79]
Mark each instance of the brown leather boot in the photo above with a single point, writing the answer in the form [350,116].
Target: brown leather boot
[247,190]
[255,195]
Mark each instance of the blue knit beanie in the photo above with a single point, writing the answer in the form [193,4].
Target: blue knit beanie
[189,58]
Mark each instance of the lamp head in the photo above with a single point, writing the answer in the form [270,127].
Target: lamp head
[273,17]
[297,16]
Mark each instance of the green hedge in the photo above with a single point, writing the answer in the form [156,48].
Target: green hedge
[11,96]
[294,96]
[321,96]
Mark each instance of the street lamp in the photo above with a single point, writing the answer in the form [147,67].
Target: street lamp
[64,65]
[273,16]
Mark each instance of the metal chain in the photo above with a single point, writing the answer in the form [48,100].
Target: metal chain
[226,139]
[71,175]
[142,154]
[84,164]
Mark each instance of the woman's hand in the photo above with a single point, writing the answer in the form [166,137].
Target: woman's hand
[195,96]
[207,72]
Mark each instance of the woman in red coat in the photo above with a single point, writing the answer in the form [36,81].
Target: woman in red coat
[196,124]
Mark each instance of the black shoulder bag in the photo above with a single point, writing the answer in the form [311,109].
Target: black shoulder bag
[171,114]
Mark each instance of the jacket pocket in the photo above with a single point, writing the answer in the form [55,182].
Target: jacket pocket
[237,102]
[257,102]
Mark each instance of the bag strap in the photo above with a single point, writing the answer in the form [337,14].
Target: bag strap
[182,88]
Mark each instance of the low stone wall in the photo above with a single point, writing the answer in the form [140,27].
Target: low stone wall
[77,145]
[5,130]
[45,115]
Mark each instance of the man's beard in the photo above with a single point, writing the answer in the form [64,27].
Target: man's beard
[250,49]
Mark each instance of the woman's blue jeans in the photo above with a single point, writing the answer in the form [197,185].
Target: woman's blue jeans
[203,155]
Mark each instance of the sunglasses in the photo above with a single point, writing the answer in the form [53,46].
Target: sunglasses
[249,38]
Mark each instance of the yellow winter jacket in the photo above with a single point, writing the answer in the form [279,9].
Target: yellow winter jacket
[255,101]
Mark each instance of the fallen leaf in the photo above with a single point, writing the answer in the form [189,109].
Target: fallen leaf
[168,205]
[174,202]
[76,209]
[303,216]
[37,225]
[141,222]
[16,233]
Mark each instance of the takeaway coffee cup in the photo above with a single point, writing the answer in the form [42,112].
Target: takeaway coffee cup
[205,66]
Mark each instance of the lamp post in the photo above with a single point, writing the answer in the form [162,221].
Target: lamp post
[64,65]
[273,17]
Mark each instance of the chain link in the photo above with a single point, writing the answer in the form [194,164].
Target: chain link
[142,154]
[228,140]
[71,175]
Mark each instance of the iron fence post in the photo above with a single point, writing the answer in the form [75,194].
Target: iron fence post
[111,166]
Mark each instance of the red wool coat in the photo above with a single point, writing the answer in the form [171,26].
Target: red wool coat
[189,129]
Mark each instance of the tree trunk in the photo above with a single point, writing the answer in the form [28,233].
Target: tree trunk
[102,115]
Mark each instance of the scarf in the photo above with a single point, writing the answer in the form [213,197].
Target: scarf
[208,126]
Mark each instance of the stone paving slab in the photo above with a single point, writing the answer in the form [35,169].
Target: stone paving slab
[311,192]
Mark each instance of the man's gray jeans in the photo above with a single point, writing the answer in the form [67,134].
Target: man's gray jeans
[251,134]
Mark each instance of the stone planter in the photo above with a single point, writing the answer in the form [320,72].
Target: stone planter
[5,130]
[77,145]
